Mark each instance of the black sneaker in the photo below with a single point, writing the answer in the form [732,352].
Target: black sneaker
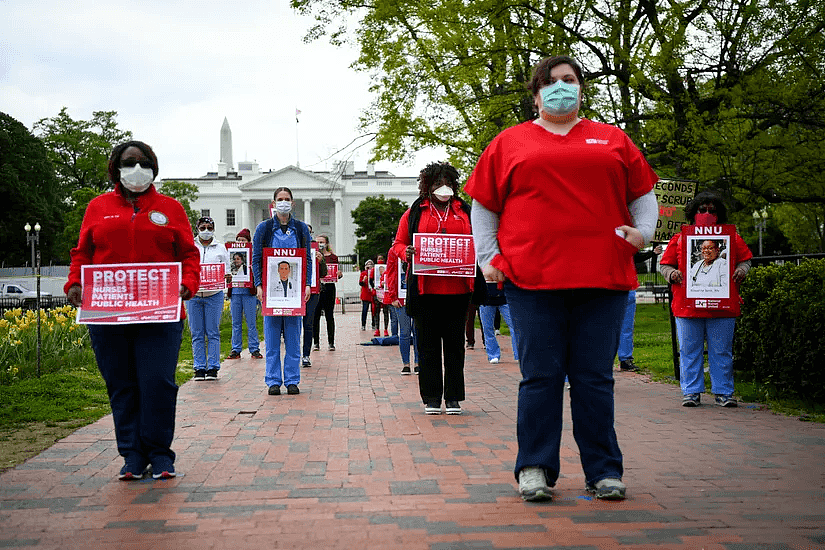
[433,407]
[331,347]
[452,407]
[257,355]
[234,355]
[726,401]
[274,390]
[628,366]
[416,370]
[316,347]
[211,374]
[200,375]
[292,389]
[305,362]
[406,370]
[691,400]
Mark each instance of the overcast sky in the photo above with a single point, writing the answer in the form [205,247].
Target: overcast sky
[174,69]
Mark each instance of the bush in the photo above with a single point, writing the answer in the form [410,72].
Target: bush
[779,335]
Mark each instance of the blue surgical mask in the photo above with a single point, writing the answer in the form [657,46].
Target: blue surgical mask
[560,98]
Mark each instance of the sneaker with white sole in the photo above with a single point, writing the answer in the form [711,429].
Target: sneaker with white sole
[433,407]
[726,401]
[452,407]
[691,400]
[494,361]
[609,488]
[532,484]
[406,369]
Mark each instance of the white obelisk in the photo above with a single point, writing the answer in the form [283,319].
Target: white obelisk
[226,145]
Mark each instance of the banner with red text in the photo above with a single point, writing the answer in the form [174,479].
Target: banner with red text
[284,278]
[130,293]
[672,196]
[448,255]
[332,274]
[315,287]
[213,277]
[239,264]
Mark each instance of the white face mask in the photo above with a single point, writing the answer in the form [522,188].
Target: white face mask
[206,235]
[283,207]
[136,178]
[321,246]
[443,193]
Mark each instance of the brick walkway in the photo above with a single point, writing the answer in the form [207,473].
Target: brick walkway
[354,463]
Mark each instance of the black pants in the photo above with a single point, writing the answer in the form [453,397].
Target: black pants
[326,306]
[441,328]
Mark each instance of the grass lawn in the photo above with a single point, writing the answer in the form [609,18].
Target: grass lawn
[34,413]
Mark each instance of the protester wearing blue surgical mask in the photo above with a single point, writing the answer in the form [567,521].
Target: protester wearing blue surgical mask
[560,206]
[282,231]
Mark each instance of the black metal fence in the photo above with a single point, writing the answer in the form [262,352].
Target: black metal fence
[46,302]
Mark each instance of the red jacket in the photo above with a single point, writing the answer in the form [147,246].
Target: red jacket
[457,222]
[674,256]
[366,286]
[391,279]
[155,229]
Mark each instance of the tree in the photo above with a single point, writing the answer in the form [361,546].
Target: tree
[184,193]
[80,149]
[728,92]
[376,220]
[28,193]
[73,217]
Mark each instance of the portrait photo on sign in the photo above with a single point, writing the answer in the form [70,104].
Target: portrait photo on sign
[284,287]
[239,265]
[708,273]
[402,279]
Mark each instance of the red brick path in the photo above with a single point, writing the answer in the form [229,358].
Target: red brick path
[352,462]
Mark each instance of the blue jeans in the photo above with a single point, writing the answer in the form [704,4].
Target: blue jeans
[244,305]
[204,316]
[393,319]
[488,315]
[138,364]
[290,327]
[692,333]
[628,321]
[365,307]
[406,335]
[573,332]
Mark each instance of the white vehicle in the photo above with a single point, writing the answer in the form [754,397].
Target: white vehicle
[20,295]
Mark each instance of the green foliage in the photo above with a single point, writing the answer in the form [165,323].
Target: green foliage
[779,335]
[729,93]
[29,193]
[80,149]
[73,216]
[185,193]
[376,221]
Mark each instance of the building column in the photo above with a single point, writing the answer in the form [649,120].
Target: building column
[246,215]
[339,223]
[308,211]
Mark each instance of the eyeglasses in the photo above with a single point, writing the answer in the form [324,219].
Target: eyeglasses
[206,228]
[709,209]
[130,163]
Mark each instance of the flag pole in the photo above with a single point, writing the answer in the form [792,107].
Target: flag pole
[297,149]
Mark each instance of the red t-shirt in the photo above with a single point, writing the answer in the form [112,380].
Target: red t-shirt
[457,223]
[559,201]
[674,255]
[154,229]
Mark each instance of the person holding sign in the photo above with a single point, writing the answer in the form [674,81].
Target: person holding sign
[243,303]
[696,320]
[326,304]
[367,292]
[437,303]
[135,224]
[281,232]
[206,306]
[560,206]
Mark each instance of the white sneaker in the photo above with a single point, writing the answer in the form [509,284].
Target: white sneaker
[532,484]
[494,361]
[609,488]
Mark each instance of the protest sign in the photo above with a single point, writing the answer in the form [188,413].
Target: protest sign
[130,293]
[239,255]
[672,196]
[443,254]
[284,278]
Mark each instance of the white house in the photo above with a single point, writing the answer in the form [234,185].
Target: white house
[238,199]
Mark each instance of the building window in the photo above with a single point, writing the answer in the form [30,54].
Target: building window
[205,213]
[230,217]
[325,219]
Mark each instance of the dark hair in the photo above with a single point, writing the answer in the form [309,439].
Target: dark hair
[706,197]
[541,72]
[278,190]
[284,262]
[205,219]
[117,152]
[437,172]
[241,256]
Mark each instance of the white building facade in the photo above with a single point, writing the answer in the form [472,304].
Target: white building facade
[325,200]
